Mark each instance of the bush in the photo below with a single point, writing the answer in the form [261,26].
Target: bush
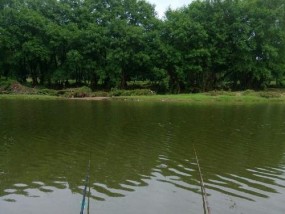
[5,85]
[270,94]
[14,87]
[100,94]
[76,92]
[46,91]
[248,92]
[136,92]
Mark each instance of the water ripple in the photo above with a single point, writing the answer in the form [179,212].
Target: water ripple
[141,156]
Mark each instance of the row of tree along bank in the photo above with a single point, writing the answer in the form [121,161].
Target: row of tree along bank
[214,44]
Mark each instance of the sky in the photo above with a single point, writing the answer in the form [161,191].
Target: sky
[162,5]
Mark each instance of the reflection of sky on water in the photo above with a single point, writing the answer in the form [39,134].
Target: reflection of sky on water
[36,201]
[159,190]
[151,198]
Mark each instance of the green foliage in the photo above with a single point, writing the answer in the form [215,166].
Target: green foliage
[136,92]
[6,84]
[100,94]
[207,45]
[270,94]
[76,92]
[49,92]
[12,86]
[248,92]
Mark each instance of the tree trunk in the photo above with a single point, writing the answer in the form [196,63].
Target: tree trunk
[34,80]
[123,80]
[94,82]
[34,77]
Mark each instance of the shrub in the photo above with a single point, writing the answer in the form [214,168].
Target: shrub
[100,94]
[248,92]
[270,94]
[76,92]
[5,85]
[46,91]
[12,86]
[136,92]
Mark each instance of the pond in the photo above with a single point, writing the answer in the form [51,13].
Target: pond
[141,155]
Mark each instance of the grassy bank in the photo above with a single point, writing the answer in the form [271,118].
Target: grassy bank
[213,97]
[14,90]
[28,97]
[230,97]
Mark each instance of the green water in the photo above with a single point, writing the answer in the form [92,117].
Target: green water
[142,159]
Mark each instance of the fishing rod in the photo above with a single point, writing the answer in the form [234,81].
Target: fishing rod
[206,205]
[87,183]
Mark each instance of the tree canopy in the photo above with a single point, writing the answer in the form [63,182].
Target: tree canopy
[211,44]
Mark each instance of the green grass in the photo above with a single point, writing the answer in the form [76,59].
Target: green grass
[13,90]
[28,97]
[134,92]
[207,98]
[230,97]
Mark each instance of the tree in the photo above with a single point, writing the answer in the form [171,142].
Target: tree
[217,44]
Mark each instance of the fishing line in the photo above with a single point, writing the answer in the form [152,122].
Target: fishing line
[87,183]
[206,205]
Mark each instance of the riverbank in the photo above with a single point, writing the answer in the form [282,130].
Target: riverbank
[228,97]
[28,97]
[209,97]
[12,89]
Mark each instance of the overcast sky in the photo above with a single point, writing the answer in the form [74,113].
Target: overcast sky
[162,5]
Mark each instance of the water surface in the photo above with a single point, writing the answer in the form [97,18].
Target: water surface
[142,158]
